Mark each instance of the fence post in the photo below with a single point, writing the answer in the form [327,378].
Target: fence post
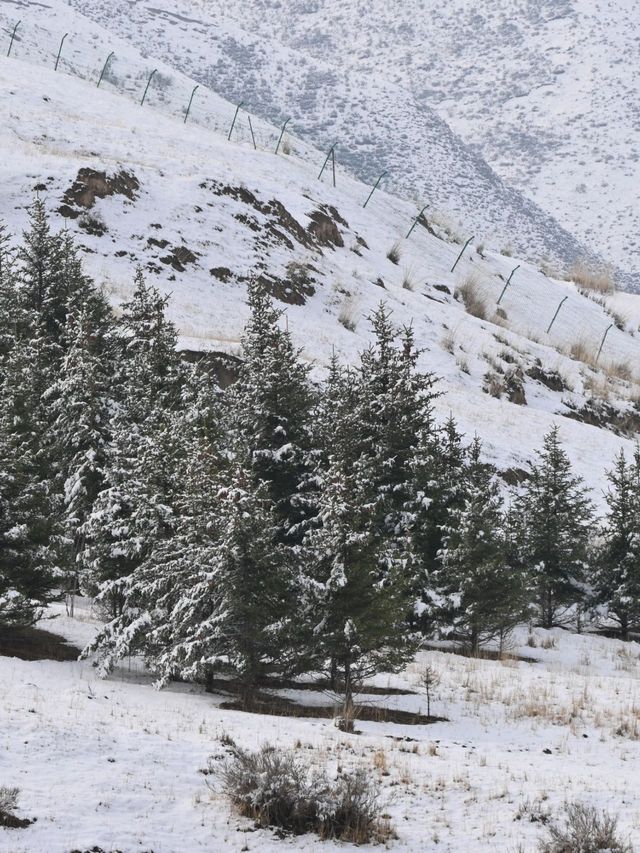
[253,139]
[55,68]
[235,116]
[326,160]
[562,301]
[282,130]
[604,337]
[374,188]
[415,221]
[186,115]
[104,68]
[13,35]
[504,289]
[146,88]
[461,253]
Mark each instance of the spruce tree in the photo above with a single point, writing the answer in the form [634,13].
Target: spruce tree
[438,476]
[482,596]
[269,414]
[556,514]
[357,589]
[134,509]
[617,560]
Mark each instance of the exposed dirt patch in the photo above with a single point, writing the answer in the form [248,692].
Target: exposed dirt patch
[10,821]
[224,274]
[280,707]
[222,367]
[29,643]
[292,291]
[514,476]
[323,228]
[153,241]
[90,185]
[179,257]
[601,414]
[549,378]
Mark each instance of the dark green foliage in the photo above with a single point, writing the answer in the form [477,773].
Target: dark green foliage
[480,593]
[617,560]
[555,514]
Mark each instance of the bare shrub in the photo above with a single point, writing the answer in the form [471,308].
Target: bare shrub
[394,253]
[589,277]
[278,789]
[408,279]
[586,830]
[347,314]
[469,292]
[8,804]
[581,350]
[449,341]
[8,799]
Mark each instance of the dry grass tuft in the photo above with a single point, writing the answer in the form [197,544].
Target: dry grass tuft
[469,292]
[592,278]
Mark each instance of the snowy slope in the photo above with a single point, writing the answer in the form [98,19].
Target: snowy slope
[201,214]
[119,765]
[459,103]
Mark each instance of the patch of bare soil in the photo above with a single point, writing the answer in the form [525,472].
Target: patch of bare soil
[90,185]
[28,643]
[179,257]
[278,706]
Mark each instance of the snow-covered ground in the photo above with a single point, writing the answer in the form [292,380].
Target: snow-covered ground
[229,212]
[118,764]
[461,102]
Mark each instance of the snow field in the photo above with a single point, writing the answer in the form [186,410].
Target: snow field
[117,763]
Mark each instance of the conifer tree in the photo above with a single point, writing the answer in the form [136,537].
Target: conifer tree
[81,411]
[134,509]
[269,414]
[556,514]
[617,560]
[356,593]
[482,595]
[438,472]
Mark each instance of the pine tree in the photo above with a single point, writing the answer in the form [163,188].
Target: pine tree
[134,509]
[482,595]
[355,604]
[438,472]
[269,415]
[617,562]
[556,514]
[81,411]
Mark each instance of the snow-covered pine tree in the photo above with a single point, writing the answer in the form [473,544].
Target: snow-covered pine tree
[438,477]
[356,591]
[360,571]
[134,510]
[616,575]
[80,432]
[482,596]
[394,416]
[556,514]
[160,591]
[269,423]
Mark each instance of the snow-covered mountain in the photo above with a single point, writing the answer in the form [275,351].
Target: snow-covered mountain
[201,214]
[520,118]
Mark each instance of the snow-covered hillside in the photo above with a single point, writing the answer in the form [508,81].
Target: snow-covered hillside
[201,214]
[460,103]
[120,765]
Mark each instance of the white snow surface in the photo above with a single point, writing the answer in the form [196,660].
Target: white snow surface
[54,124]
[519,116]
[118,764]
